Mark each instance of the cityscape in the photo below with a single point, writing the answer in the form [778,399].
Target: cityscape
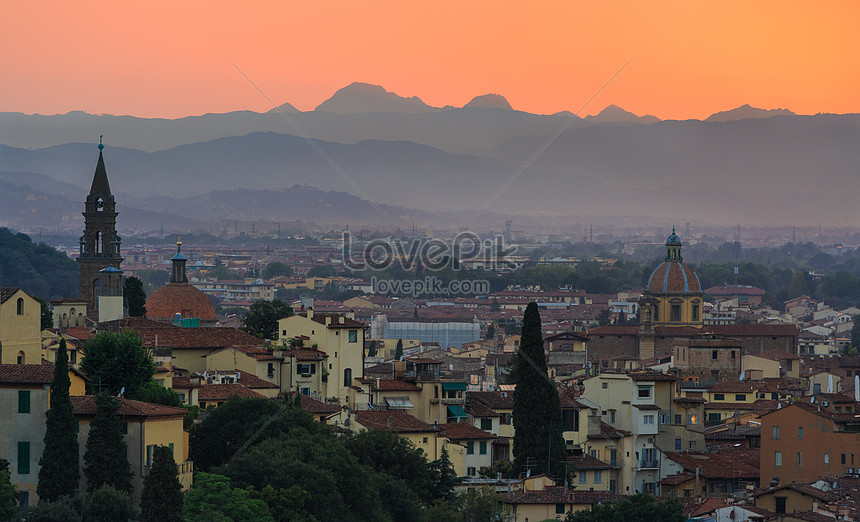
[453,294]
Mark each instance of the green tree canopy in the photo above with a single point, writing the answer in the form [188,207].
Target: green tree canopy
[538,442]
[262,319]
[115,361]
[58,467]
[491,332]
[637,508]
[482,505]
[275,269]
[212,497]
[108,504]
[8,492]
[47,320]
[135,297]
[161,500]
[371,349]
[604,317]
[38,269]
[322,271]
[106,457]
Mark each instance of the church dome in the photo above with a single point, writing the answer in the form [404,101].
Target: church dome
[179,298]
[672,276]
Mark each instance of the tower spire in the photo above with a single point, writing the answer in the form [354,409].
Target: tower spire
[100,186]
[179,260]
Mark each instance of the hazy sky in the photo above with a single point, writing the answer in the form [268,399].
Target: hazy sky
[169,59]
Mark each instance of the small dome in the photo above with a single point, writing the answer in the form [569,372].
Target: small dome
[179,298]
[673,238]
[674,277]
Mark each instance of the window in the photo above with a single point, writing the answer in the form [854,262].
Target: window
[799,458]
[648,420]
[425,440]
[842,459]
[693,418]
[779,503]
[800,432]
[306,369]
[21,307]
[23,401]
[21,359]
[470,448]
[677,444]
[470,471]
[482,447]
[24,499]
[777,458]
[677,418]
[714,418]
[675,313]
[597,477]
[826,458]
[305,390]
[774,395]
[123,428]
[353,336]
[714,355]
[583,477]
[692,445]
[740,397]
[696,314]
[613,457]
[23,458]
[150,450]
[559,509]
[719,396]
[612,416]
[644,392]
[775,433]
[505,418]
[487,424]
[604,385]
[347,377]
[270,369]
[733,354]
[816,388]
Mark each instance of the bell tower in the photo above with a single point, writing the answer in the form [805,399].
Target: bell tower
[100,244]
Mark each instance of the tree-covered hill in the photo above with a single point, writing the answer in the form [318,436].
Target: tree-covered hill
[39,269]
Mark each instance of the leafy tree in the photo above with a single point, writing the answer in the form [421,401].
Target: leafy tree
[106,457]
[161,499]
[604,317]
[47,315]
[622,318]
[538,441]
[275,269]
[262,319]
[38,269]
[445,478]
[8,492]
[64,509]
[108,504]
[371,349]
[135,297]
[398,350]
[153,279]
[495,306]
[286,505]
[58,471]
[639,507]
[491,332]
[801,284]
[855,331]
[157,394]
[442,512]
[322,271]
[212,497]
[482,505]
[115,361]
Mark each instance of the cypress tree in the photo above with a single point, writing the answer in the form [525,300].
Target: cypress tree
[538,442]
[135,297]
[161,500]
[58,472]
[398,350]
[106,458]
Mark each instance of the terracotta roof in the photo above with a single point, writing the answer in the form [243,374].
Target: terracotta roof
[174,337]
[393,420]
[478,409]
[6,293]
[677,479]
[688,400]
[652,376]
[805,489]
[217,392]
[587,462]
[179,298]
[464,431]
[609,432]
[245,378]
[68,300]
[315,406]
[338,321]
[86,405]
[674,277]
[26,373]
[646,407]
[389,385]
[731,462]
[81,333]
[559,495]
[306,354]
[493,399]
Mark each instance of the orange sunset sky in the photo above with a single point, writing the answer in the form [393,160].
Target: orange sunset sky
[169,59]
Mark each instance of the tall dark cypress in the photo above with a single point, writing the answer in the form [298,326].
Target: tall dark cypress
[161,500]
[106,458]
[538,442]
[58,467]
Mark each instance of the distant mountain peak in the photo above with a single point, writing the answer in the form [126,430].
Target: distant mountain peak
[359,98]
[615,114]
[745,112]
[489,101]
[287,108]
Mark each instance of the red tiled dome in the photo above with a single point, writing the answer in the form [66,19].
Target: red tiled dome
[179,298]
[674,277]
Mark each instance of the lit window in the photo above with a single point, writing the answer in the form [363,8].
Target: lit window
[692,418]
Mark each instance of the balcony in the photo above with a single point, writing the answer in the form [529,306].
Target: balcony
[459,400]
[647,464]
[185,472]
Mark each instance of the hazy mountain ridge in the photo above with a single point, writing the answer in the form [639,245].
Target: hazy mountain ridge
[359,98]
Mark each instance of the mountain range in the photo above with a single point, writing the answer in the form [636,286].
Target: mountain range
[431,163]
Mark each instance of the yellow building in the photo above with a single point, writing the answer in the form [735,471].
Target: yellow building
[146,426]
[673,296]
[20,327]
[424,436]
[541,499]
[340,338]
